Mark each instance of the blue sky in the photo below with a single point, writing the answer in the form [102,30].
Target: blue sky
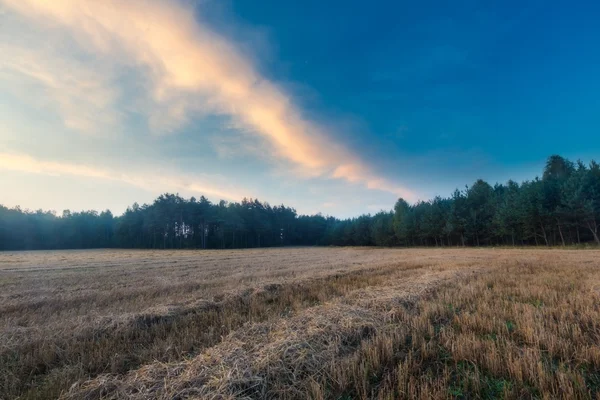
[338,107]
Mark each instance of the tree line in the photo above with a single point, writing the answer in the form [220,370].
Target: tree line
[560,208]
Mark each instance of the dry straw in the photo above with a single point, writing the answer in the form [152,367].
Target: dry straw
[301,323]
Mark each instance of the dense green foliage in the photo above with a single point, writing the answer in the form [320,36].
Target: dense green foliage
[563,207]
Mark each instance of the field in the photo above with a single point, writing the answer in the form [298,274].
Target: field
[321,323]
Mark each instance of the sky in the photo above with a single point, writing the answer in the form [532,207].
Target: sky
[338,107]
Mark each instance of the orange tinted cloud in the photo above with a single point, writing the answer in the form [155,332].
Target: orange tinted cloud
[190,69]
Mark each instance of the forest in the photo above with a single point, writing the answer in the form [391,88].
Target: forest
[560,208]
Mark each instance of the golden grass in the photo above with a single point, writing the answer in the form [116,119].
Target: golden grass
[521,330]
[300,323]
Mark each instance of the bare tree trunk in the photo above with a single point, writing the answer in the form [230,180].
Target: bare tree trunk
[594,230]
[181,230]
[562,238]
[544,234]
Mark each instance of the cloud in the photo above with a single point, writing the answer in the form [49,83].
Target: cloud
[354,173]
[84,99]
[186,69]
[153,181]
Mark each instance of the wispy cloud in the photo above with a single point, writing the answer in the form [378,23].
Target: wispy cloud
[185,69]
[84,98]
[154,181]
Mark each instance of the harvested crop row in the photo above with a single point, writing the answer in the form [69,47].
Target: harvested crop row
[253,323]
[47,367]
[524,330]
[515,329]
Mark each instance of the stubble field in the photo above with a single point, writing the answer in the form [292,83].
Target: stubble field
[321,323]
